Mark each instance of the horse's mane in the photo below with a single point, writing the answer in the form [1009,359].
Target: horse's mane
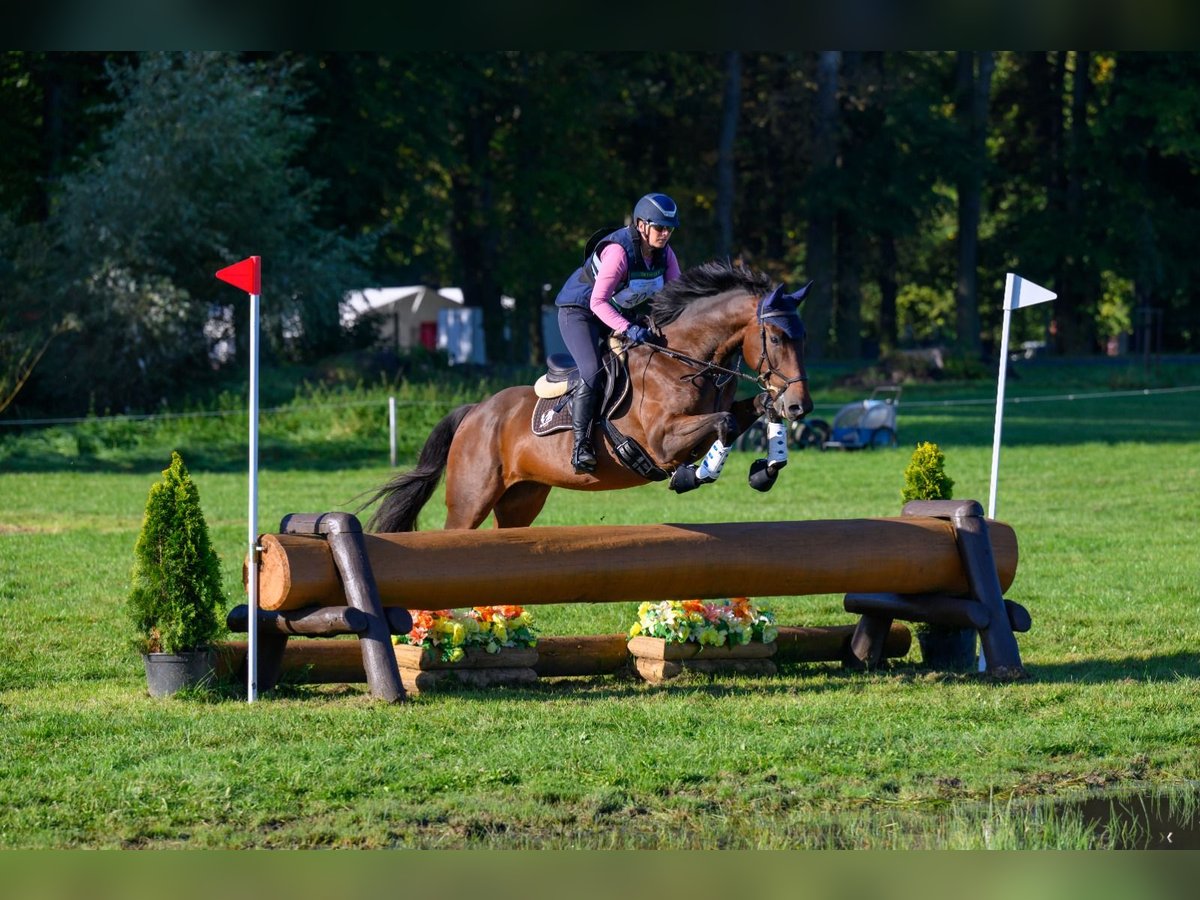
[705,280]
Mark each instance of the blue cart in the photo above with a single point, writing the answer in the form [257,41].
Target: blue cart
[868,423]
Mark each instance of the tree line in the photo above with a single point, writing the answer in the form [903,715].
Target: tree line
[904,184]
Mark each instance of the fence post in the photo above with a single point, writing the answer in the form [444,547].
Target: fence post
[392,430]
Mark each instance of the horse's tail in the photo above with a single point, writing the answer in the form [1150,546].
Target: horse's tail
[405,495]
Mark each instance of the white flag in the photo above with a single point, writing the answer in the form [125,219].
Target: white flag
[1019,293]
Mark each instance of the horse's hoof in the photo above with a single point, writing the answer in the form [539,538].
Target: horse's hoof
[763,475]
[684,479]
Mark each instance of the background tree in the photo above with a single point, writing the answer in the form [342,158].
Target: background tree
[973,81]
[821,261]
[904,183]
[197,167]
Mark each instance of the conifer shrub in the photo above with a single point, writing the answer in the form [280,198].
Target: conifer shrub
[176,601]
[925,477]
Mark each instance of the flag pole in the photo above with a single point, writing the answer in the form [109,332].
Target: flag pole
[252,545]
[1008,286]
[247,275]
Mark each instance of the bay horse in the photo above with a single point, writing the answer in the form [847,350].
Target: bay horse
[681,399]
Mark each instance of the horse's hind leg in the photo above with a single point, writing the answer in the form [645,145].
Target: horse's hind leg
[521,504]
[473,488]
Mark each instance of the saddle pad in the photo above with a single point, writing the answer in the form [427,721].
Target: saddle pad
[547,420]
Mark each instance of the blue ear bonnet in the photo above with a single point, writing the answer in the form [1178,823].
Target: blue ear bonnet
[783,310]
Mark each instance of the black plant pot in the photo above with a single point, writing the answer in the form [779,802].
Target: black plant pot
[945,648]
[169,673]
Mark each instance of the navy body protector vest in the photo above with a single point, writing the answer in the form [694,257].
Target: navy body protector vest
[641,281]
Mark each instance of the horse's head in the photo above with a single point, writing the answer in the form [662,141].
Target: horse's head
[775,349]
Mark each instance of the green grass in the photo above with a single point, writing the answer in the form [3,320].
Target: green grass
[1102,493]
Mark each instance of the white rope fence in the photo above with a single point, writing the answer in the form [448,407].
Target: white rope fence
[392,402]
[390,405]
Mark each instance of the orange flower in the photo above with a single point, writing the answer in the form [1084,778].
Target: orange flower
[510,612]
[485,613]
[693,606]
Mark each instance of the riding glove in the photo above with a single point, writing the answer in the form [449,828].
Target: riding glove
[637,334]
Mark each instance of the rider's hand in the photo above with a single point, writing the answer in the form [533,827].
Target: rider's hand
[637,334]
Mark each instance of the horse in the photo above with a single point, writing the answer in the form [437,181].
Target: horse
[681,399]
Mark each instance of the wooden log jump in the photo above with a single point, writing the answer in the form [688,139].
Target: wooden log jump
[935,549]
[571,564]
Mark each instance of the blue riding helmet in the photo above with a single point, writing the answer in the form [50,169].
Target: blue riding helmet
[657,209]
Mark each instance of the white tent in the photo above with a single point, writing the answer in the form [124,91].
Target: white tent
[416,316]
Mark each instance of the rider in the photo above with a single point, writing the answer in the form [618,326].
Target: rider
[625,268]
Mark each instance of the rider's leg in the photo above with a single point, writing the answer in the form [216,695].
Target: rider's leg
[581,334]
[583,409]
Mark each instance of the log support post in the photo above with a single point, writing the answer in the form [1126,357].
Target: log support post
[344,534]
[983,608]
[364,616]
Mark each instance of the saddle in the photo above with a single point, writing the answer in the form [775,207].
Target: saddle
[552,412]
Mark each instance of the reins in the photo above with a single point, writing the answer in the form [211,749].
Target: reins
[760,378]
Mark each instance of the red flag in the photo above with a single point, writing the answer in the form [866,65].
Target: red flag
[246,275]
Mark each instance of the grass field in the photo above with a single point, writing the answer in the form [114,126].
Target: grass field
[1102,492]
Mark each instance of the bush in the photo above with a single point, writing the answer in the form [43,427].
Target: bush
[925,477]
[176,602]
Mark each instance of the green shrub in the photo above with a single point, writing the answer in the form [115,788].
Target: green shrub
[925,477]
[176,602]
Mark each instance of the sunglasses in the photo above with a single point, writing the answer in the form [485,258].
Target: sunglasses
[667,228]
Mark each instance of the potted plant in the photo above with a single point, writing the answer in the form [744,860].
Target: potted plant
[925,478]
[176,601]
[673,636]
[479,646]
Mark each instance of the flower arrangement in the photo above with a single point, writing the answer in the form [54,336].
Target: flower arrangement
[713,623]
[449,632]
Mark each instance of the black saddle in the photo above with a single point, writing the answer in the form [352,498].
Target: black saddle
[561,367]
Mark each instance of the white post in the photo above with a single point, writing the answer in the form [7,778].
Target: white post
[252,548]
[1000,396]
[392,430]
[247,276]
[1018,293]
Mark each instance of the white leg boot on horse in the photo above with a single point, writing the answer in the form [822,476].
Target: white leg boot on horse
[583,410]
[764,471]
[688,478]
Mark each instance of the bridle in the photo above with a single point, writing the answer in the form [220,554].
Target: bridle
[764,378]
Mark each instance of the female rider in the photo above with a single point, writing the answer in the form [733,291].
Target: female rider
[626,268]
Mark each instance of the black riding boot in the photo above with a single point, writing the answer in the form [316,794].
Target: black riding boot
[583,407]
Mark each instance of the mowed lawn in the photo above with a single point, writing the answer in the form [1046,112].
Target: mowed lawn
[1102,494]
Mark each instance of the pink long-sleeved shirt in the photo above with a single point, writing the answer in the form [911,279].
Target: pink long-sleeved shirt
[612,272]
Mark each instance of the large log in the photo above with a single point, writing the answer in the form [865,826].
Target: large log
[830,643]
[331,660]
[603,564]
[587,654]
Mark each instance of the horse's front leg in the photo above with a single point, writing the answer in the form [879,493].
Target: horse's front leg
[683,439]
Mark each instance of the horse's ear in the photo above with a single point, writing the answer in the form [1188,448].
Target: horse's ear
[798,297]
